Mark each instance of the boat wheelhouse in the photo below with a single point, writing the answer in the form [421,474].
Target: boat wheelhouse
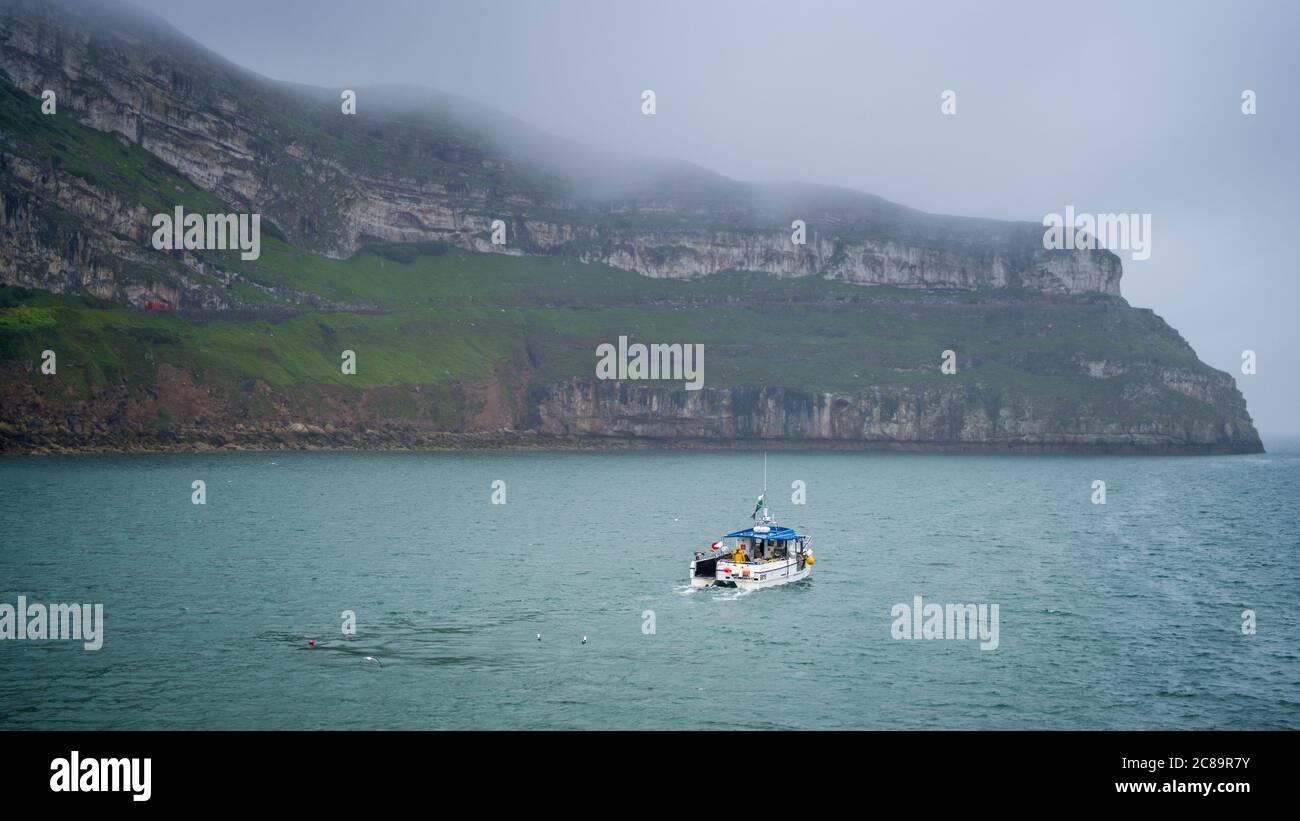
[764,555]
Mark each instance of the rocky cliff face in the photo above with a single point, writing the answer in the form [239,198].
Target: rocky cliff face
[864,261]
[66,235]
[257,146]
[583,410]
[920,417]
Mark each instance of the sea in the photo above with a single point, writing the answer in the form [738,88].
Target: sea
[337,590]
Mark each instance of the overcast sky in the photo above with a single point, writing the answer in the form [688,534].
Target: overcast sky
[1107,106]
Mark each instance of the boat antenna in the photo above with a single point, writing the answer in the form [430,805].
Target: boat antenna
[762,500]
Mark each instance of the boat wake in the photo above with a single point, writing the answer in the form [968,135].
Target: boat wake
[732,593]
[714,592]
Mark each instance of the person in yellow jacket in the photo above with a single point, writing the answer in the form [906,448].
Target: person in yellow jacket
[739,555]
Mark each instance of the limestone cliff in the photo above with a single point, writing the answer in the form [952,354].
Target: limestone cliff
[959,417]
[376,240]
[332,183]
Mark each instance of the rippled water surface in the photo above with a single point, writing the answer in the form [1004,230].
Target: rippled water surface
[1123,615]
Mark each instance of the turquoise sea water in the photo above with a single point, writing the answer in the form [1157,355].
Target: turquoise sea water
[1123,615]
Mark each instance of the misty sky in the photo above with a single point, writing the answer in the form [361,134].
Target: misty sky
[1107,106]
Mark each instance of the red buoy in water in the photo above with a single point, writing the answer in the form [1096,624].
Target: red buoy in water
[311,642]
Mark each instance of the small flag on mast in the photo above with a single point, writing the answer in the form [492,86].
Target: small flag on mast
[757,508]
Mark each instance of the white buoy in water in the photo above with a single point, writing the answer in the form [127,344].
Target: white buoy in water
[584,639]
[539,636]
[375,660]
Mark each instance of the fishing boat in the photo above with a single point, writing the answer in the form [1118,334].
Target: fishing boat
[764,555]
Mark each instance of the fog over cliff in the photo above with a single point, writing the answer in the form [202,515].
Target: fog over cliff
[1116,107]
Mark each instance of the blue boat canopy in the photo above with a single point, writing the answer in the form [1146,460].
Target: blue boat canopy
[778,534]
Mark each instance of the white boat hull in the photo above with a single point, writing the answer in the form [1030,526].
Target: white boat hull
[752,575]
